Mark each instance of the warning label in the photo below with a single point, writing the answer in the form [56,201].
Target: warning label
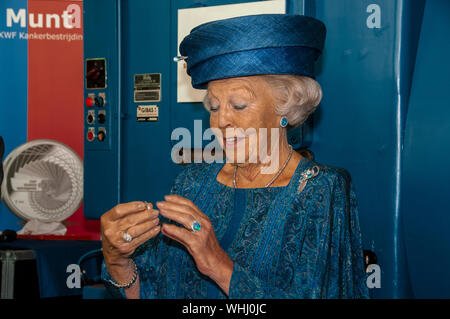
[147,87]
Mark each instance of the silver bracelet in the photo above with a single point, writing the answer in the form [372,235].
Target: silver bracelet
[127,285]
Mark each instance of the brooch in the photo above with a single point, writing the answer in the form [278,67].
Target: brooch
[307,175]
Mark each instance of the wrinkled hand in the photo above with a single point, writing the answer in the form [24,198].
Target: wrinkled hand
[211,260]
[134,217]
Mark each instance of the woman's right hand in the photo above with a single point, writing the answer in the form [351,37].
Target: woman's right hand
[138,219]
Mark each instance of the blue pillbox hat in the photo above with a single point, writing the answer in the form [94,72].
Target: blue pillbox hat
[253,45]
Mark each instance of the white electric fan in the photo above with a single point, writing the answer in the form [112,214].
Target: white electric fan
[43,180]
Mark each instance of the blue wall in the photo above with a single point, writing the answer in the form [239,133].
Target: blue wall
[366,74]
[426,189]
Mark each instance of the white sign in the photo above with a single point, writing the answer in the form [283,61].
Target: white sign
[147,113]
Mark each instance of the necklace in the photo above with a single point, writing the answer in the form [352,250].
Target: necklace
[275,177]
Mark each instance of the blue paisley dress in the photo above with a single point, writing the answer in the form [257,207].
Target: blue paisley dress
[285,242]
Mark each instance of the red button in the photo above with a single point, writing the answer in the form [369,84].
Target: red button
[89,102]
[90,136]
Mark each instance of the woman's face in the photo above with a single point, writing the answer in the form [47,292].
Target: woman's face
[244,103]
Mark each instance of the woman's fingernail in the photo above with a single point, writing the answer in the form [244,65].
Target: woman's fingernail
[160,204]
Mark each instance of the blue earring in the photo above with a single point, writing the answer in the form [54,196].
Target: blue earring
[283,122]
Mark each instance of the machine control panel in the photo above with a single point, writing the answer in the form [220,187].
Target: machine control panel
[96,106]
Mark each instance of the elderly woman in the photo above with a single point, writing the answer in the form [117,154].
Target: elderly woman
[238,229]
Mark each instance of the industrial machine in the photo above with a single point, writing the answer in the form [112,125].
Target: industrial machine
[373,73]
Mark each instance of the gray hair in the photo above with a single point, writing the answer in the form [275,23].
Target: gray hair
[297,96]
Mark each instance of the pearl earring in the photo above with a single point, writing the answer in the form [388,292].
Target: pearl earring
[284,122]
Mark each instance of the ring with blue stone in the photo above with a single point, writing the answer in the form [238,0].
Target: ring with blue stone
[196,226]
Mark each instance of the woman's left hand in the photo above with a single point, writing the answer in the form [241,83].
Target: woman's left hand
[210,258]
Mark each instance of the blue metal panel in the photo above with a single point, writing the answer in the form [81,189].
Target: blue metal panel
[365,78]
[13,92]
[102,159]
[147,168]
[426,174]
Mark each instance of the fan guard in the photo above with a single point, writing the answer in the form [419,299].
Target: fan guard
[43,180]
